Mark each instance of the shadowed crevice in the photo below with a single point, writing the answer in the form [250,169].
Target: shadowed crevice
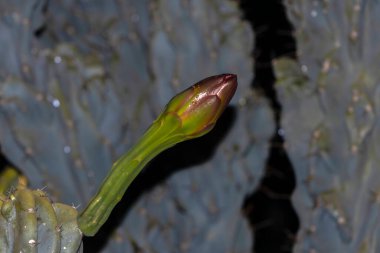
[273,38]
[269,209]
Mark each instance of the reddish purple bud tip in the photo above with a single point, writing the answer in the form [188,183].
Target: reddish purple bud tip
[224,86]
[199,106]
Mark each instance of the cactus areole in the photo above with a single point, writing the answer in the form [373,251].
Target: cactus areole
[190,114]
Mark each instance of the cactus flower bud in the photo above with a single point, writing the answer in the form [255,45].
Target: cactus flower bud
[190,114]
[199,106]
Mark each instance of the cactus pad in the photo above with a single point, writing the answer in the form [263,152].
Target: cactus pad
[31,223]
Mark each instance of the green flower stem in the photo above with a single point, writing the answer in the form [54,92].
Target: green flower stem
[124,171]
[190,114]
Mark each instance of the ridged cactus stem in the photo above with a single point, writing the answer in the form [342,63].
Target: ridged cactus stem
[31,223]
[190,114]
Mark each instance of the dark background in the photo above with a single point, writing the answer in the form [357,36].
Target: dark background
[269,209]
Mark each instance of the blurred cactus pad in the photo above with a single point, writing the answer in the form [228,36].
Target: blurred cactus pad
[80,81]
[331,118]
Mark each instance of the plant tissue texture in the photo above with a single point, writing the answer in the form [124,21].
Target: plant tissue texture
[30,222]
[331,103]
[81,80]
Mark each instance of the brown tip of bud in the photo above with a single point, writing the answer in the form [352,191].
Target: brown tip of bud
[200,106]
[223,86]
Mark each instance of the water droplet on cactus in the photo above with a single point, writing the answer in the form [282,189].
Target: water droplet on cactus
[314,13]
[304,68]
[56,103]
[67,149]
[57,59]
[32,242]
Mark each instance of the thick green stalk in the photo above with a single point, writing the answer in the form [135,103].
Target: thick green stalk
[123,172]
[190,114]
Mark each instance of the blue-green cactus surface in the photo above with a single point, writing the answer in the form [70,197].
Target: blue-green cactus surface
[81,80]
[331,118]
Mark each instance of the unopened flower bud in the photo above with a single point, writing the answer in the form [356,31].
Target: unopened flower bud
[200,106]
[190,114]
